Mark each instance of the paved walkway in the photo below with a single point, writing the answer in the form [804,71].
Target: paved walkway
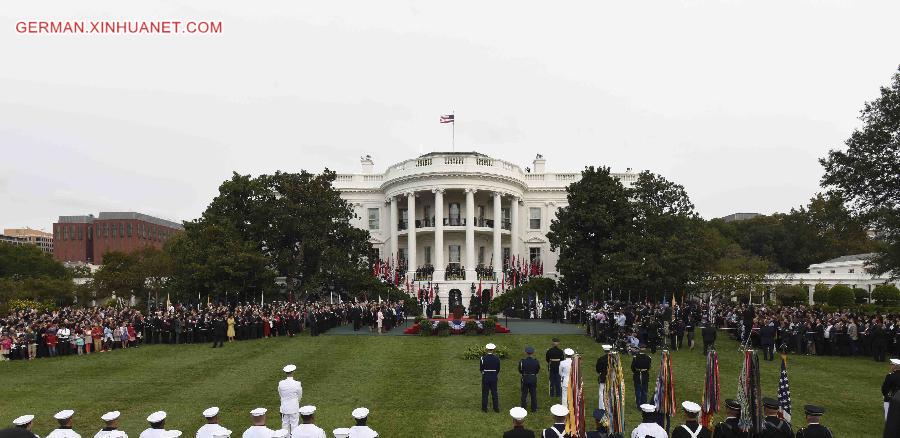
[516,327]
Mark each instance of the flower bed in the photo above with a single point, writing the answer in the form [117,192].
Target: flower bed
[456,327]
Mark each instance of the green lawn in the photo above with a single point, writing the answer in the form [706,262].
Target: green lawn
[413,386]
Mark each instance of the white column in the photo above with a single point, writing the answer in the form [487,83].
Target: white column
[470,234]
[439,262]
[498,264]
[514,227]
[812,289]
[411,234]
[395,242]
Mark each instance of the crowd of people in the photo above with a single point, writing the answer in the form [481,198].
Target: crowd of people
[29,333]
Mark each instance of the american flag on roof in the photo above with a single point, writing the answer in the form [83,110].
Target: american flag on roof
[784,391]
[447,118]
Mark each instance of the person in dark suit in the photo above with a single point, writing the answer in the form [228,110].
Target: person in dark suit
[554,356]
[691,427]
[813,429]
[219,328]
[709,337]
[490,370]
[601,368]
[767,340]
[518,415]
[891,384]
[529,368]
[773,425]
[729,428]
[640,368]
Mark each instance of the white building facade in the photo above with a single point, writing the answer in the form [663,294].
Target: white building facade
[461,214]
[847,270]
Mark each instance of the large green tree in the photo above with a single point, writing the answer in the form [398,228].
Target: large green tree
[867,173]
[27,273]
[146,270]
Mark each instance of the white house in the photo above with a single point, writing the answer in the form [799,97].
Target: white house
[848,270]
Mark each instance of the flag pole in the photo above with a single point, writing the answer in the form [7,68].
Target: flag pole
[453,131]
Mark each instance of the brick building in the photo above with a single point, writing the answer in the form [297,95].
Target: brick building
[87,238]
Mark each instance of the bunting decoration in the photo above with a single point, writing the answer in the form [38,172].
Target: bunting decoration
[749,394]
[664,398]
[615,393]
[711,390]
[575,401]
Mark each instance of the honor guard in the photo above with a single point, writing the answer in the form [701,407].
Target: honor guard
[24,422]
[554,357]
[691,427]
[111,430]
[602,367]
[212,429]
[290,392]
[490,370]
[64,418]
[648,426]
[813,428]
[341,432]
[258,429]
[518,415]
[891,384]
[730,428]
[602,425]
[773,425]
[308,429]
[361,415]
[529,368]
[565,368]
[157,422]
[640,369]
[558,429]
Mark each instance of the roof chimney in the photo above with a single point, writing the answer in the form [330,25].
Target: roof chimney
[367,164]
[539,163]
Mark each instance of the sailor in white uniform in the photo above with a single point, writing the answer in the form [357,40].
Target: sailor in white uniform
[308,429]
[341,432]
[212,428]
[648,426]
[24,422]
[64,418]
[259,429]
[565,368]
[112,426]
[157,428]
[361,415]
[290,392]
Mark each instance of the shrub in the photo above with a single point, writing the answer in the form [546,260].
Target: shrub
[790,295]
[420,318]
[841,296]
[886,295]
[471,328]
[862,295]
[820,294]
[490,325]
[476,351]
[443,328]
[425,328]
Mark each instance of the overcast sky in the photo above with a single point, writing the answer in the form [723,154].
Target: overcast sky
[734,100]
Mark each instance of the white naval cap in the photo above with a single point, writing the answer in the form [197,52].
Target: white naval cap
[211,412]
[490,347]
[648,408]
[360,413]
[280,433]
[307,410]
[156,417]
[110,416]
[258,412]
[290,368]
[518,413]
[559,410]
[607,347]
[221,432]
[171,433]
[895,361]
[64,414]
[690,406]
[341,432]
[569,352]
[23,420]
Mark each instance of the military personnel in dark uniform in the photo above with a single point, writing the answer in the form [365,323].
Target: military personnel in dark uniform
[602,426]
[813,428]
[709,337]
[602,367]
[554,356]
[529,368]
[891,384]
[691,427]
[518,415]
[558,429]
[773,425]
[729,428]
[490,370]
[640,367]
[767,341]
[219,329]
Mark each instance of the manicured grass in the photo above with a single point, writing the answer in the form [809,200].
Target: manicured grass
[413,386]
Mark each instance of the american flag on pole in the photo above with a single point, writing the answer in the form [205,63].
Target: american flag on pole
[784,390]
[447,118]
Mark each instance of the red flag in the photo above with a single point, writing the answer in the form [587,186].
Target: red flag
[430,292]
[479,288]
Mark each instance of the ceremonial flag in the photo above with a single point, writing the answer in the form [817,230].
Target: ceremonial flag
[710,389]
[447,118]
[615,393]
[575,401]
[784,390]
[664,397]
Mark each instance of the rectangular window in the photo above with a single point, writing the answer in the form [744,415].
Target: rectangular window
[128,228]
[404,219]
[454,214]
[480,213]
[534,218]
[81,233]
[427,216]
[121,229]
[56,232]
[140,231]
[505,252]
[480,255]
[534,254]
[427,255]
[373,218]
[454,254]
[504,215]
[90,235]
[401,254]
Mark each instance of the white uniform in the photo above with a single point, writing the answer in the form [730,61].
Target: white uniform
[63,433]
[207,430]
[362,432]
[565,368]
[258,432]
[152,433]
[111,434]
[290,392]
[308,431]
[644,430]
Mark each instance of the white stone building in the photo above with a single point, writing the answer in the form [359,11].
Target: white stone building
[469,210]
[848,270]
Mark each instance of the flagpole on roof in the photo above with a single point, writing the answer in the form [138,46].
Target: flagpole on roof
[453,131]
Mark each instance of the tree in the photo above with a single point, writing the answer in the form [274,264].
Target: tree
[792,295]
[861,295]
[27,261]
[886,295]
[841,296]
[820,293]
[147,269]
[867,174]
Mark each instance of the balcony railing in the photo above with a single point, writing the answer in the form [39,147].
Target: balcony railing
[402,225]
[505,225]
[454,221]
[424,223]
[485,272]
[455,271]
[424,273]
